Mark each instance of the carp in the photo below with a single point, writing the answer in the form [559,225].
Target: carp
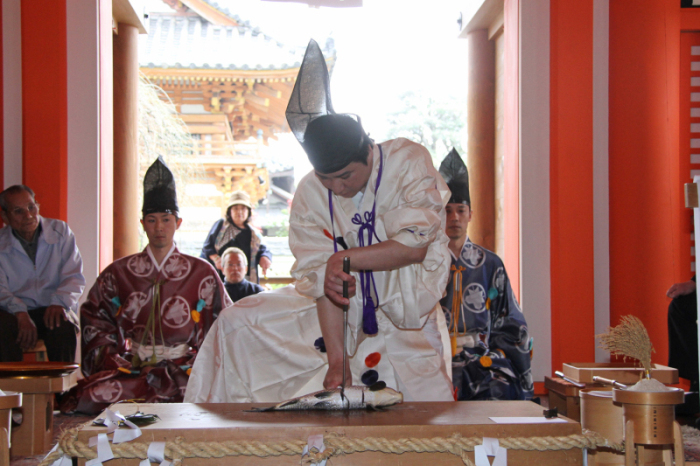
[356,397]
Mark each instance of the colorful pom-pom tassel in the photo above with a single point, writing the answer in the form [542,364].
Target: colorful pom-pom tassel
[320,344]
[370,377]
[493,293]
[373,359]
[485,361]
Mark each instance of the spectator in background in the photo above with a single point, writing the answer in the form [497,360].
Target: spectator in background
[234,265]
[234,231]
[683,331]
[41,280]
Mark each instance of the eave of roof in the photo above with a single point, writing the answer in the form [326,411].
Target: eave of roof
[212,12]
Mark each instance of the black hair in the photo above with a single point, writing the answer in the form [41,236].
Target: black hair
[334,141]
[14,189]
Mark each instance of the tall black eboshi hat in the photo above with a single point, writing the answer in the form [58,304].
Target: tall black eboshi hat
[456,175]
[334,138]
[159,192]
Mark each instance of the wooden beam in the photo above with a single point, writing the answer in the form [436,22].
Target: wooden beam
[268,91]
[691,195]
[239,76]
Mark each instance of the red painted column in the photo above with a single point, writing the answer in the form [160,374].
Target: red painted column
[44,104]
[571,181]
[511,156]
[645,193]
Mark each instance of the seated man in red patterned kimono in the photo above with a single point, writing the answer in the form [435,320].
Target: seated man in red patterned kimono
[147,314]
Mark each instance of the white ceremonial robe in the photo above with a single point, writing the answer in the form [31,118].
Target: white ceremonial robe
[262,348]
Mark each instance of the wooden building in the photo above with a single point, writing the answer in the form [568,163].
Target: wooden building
[229,82]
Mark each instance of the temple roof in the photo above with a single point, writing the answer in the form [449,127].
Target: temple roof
[184,38]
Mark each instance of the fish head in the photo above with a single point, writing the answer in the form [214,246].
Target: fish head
[383,397]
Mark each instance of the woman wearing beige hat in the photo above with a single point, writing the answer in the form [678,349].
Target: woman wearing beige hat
[234,231]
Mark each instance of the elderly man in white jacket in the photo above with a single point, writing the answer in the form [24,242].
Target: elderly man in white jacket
[41,280]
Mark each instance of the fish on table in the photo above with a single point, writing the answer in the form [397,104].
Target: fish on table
[355,397]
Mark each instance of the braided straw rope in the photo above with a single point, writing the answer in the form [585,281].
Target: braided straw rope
[335,445]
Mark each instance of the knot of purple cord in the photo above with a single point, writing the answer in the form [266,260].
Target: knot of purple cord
[367,284]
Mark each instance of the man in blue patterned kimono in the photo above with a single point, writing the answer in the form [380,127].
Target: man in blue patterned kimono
[490,341]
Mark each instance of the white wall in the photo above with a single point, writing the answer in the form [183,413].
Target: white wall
[12,91]
[83,131]
[535,266]
[601,210]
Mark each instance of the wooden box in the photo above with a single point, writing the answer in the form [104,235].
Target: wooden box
[564,396]
[233,422]
[626,373]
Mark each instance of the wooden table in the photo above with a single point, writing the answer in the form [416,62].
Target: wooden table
[8,401]
[34,435]
[218,422]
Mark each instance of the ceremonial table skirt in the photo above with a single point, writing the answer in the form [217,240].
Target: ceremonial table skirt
[212,422]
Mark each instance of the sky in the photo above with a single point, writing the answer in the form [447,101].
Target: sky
[384,48]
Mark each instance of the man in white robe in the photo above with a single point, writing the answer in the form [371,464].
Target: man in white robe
[262,348]
[382,206]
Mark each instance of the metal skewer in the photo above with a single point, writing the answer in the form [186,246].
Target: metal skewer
[561,375]
[346,269]
[614,383]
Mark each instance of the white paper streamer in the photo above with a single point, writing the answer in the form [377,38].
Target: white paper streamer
[490,447]
[156,452]
[145,463]
[104,451]
[112,420]
[126,435]
[64,460]
[314,441]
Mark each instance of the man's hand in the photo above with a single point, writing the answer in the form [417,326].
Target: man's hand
[333,283]
[54,315]
[216,259]
[678,289]
[265,263]
[27,331]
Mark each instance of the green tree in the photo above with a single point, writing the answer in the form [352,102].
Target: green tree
[436,123]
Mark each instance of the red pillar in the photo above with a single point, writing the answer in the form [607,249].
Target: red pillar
[571,181]
[644,180]
[44,104]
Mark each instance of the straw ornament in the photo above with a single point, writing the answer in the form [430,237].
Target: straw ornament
[629,340]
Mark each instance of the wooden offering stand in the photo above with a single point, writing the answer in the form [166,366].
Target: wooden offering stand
[649,422]
[38,382]
[564,390]
[8,401]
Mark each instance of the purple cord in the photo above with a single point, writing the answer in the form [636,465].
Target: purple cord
[367,283]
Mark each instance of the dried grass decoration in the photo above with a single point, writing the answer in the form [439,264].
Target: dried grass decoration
[629,340]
